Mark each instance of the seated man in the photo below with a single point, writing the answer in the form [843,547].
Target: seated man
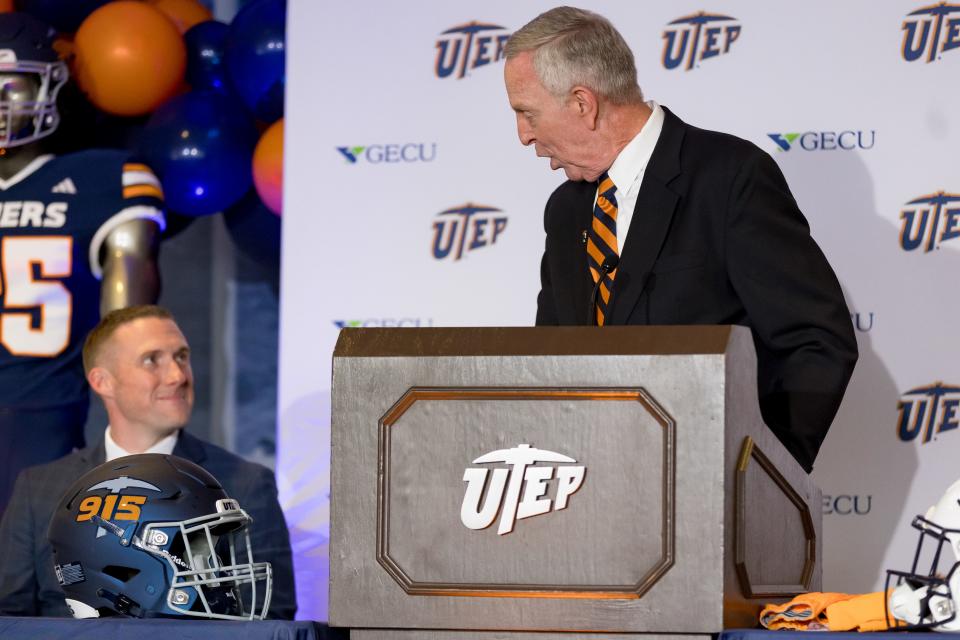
[138,362]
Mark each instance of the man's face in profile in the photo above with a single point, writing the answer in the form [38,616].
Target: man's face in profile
[148,361]
[551,125]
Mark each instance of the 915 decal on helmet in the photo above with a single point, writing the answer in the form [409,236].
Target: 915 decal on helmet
[153,535]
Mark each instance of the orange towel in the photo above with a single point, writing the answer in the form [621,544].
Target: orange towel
[817,611]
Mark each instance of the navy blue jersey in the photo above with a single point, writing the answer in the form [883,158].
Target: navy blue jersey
[55,216]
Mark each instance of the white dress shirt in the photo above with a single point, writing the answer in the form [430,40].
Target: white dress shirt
[628,169]
[116,451]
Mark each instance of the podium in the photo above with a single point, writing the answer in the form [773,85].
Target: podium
[547,482]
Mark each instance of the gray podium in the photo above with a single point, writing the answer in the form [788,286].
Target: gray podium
[559,482]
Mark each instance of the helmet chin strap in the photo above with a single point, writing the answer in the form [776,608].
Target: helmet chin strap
[923,606]
[910,605]
[121,603]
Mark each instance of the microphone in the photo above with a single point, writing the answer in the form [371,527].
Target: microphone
[609,264]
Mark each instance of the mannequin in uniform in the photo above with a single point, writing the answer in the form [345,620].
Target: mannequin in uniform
[79,235]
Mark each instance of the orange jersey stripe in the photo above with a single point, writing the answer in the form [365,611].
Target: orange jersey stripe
[136,166]
[137,190]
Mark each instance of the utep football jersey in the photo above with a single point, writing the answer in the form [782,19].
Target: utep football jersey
[55,216]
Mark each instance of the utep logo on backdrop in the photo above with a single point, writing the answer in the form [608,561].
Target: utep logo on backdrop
[862,321]
[391,153]
[503,495]
[929,221]
[698,37]
[468,46]
[848,140]
[467,227]
[932,30]
[929,410]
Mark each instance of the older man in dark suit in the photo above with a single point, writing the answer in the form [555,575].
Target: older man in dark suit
[138,362]
[664,223]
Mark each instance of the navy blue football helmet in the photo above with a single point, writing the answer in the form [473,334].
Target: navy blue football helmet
[152,535]
[31,75]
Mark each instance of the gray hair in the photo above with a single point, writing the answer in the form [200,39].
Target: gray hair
[577,47]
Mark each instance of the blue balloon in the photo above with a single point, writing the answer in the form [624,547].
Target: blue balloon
[200,144]
[63,15]
[255,229]
[255,56]
[205,55]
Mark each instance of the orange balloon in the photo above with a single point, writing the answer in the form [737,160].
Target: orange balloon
[184,13]
[129,58]
[268,167]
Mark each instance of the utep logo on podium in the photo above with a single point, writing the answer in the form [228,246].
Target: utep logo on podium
[468,46]
[932,30]
[698,37]
[503,495]
[473,222]
[927,215]
[931,409]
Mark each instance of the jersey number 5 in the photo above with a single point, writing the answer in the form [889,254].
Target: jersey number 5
[51,256]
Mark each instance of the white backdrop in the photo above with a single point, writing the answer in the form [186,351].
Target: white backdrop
[387,129]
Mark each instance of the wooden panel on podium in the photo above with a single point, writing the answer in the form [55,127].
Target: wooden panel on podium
[524,482]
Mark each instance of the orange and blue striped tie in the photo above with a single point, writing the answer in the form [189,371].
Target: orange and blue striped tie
[602,241]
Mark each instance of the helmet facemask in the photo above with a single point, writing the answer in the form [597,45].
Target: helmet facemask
[28,100]
[924,597]
[214,575]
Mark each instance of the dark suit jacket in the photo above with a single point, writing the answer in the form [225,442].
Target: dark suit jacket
[28,584]
[717,238]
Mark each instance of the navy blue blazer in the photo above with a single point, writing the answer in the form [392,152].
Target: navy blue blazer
[28,583]
[717,238]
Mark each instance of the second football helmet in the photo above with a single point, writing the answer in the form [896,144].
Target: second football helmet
[926,597]
[31,75]
[152,535]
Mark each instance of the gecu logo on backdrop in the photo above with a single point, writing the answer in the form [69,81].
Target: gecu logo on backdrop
[927,411]
[466,227]
[848,140]
[927,215]
[503,495]
[468,46]
[391,153]
[384,322]
[931,30]
[847,505]
[697,37]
